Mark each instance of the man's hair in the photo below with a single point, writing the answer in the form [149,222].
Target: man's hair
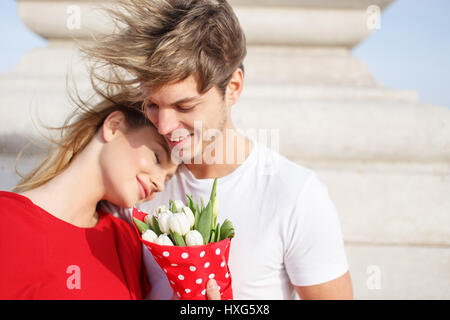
[166,41]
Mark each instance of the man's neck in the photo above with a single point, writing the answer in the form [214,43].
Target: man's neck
[222,161]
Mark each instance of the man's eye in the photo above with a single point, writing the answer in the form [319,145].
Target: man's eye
[185,108]
[157,158]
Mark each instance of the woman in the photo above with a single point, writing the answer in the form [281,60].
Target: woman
[55,241]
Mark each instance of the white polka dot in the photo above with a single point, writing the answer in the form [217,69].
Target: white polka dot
[203,291]
[211,276]
[187,290]
[217,251]
[198,281]
[218,287]
[178,294]
[165,254]
[181,277]
[174,265]
[192,268]
[165,270]
[172,282]
[184,255]
[202,254]
[222,264]
[207,265]
[227,275]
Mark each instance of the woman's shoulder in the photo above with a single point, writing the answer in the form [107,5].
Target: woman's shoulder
[127,239]
[6,196]
[19,216]
[122,226]
[12,204]
[21,227]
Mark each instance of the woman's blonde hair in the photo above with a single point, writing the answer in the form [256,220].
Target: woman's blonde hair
[76,132]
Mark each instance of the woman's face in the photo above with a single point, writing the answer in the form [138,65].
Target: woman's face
[135,164]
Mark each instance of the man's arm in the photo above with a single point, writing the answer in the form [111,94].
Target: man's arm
[337,289]
[315,253]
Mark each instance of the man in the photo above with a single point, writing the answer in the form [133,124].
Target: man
[186,58]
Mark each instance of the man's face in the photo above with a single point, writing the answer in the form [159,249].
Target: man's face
[183,116]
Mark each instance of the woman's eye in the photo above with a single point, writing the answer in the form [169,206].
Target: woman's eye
[148,104]
[157,158]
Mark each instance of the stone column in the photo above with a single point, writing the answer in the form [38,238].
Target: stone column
[384,155]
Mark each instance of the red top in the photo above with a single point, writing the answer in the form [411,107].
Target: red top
[43,257]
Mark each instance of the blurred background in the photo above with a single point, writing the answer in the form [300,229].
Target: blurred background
[358,91]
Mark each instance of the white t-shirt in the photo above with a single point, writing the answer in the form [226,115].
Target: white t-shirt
[287,230]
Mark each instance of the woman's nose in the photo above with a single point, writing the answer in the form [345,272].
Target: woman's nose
[158,180]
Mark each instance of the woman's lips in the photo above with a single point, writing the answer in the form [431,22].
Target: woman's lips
[143,189]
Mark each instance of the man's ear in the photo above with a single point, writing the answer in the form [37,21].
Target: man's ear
[234,87]
[113,123]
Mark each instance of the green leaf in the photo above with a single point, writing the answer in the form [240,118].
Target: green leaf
[192,205]
[213,202]
[227,230]
[203,205]
[212,196]
[178,239]
[172,206]
[197,215]
[217,233]
[156,226]
[204,223]
[194,208]
[212,236]
[188,202]
[142,227]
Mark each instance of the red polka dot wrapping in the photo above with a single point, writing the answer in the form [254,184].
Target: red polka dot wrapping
[189,268]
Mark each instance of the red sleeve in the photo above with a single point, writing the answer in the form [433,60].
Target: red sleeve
[17,236]
[130,251]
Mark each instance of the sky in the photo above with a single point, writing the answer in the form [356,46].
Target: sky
[410,51]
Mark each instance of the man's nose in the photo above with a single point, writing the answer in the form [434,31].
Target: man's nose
[166,121]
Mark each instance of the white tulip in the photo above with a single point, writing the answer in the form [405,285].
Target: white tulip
[189,215]
[163,221]
[178,222]
[164,240]
[149,236]
[149,219]
[194,238]
[161,209]
[179,205]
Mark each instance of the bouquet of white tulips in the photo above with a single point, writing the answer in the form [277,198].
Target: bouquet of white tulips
[189,245]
